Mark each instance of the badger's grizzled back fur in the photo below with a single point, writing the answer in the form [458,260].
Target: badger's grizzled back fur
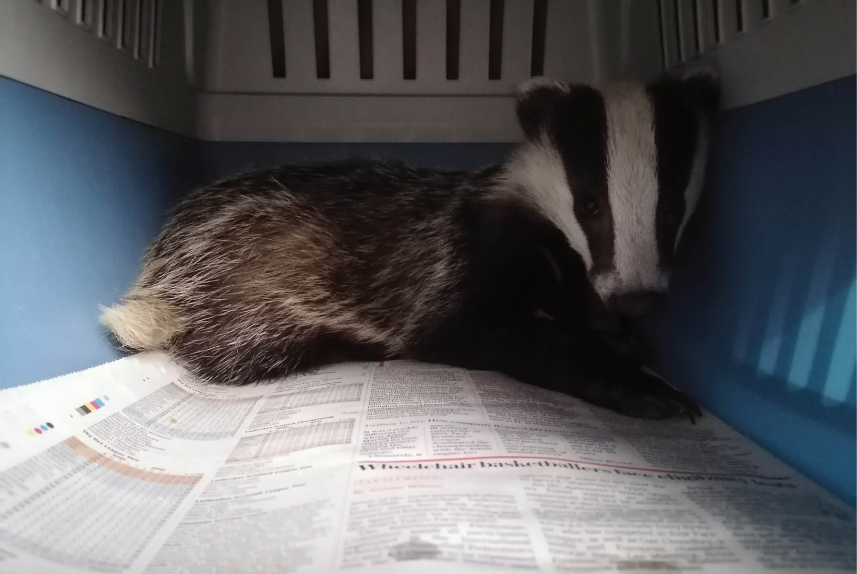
[285,269]
[252,275]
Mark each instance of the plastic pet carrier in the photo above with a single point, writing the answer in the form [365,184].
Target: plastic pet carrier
[112,110]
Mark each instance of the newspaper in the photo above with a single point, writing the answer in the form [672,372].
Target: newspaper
[393,467]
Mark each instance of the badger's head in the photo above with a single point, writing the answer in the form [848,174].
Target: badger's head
[619,172]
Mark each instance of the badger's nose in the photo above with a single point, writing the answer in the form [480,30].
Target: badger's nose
[633,304]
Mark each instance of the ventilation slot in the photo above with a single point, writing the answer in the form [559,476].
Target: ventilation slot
[60,6]
[495,40]
[84,13]
[322,39]
[106,20]
[154,31]
[718,39]
[766,9]
[662,34]
[678,31]
[364,32]
[409,39]
[125,19]
[453,37]
[540,26]
[140,18]
[137,27]
[739,15]
[697,37]
[278,39]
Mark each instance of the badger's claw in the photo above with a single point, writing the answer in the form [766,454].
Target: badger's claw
[640,394]
[648,396]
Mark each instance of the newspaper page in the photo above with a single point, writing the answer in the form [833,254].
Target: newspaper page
[393,467]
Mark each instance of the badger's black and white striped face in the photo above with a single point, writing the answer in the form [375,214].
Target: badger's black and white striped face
[619,172]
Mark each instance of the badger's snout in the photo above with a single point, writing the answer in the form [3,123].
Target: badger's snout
[635,303]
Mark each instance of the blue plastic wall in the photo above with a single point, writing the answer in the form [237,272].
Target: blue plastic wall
[760,325]
[82,193]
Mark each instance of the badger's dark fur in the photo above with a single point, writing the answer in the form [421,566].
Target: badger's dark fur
[504,268]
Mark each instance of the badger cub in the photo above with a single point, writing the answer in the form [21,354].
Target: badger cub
[503,268]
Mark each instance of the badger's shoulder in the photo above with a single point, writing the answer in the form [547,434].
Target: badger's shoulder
[519,261]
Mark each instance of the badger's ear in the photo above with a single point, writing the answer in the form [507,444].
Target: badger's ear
[698,86]
[535,104]
[703,84]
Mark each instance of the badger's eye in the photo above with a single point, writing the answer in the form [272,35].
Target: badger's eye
[590,207]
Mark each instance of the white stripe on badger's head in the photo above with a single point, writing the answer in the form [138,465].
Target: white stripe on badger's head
[632,187]
[618,172]
[536,171]
[697,175]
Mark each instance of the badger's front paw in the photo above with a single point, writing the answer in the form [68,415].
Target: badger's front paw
[640,394]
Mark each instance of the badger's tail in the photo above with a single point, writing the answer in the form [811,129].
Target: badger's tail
[142,322]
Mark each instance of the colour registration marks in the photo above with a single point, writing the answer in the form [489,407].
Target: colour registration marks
[91,406]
